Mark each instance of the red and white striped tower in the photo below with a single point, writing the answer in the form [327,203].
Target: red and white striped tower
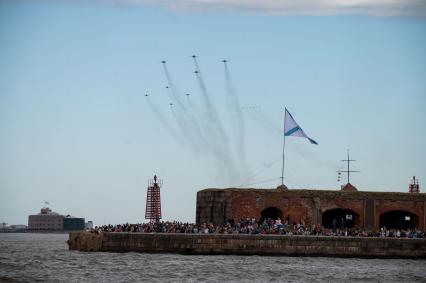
[153,200]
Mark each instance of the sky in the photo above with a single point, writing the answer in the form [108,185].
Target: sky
[77,131]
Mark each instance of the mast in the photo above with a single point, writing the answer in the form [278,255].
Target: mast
[282,172]
[348,171]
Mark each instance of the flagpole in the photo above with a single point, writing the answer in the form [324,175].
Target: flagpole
[282,172]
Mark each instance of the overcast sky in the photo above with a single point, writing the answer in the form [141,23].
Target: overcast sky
[77,130]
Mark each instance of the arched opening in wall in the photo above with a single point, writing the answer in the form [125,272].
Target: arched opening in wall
[398,219]
[272,213]
[339,218]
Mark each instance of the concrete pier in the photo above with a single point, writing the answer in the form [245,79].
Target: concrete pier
[212,244]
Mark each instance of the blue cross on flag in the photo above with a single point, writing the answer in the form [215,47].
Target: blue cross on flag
[291,128]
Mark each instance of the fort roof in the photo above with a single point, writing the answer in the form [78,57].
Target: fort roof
[326,193]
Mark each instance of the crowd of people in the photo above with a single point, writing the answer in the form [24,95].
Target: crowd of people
[252,226]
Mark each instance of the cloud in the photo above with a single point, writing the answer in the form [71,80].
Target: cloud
[380,8]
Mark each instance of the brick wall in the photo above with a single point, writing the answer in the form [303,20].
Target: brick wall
[218,205]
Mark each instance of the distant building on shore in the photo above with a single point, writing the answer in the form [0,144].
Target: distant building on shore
[89,224]
[73,223]
[4,228]
[48,220]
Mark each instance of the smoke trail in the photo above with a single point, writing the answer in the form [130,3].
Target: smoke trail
[211,111]
[237,115]
[218,139]
[182,125]
[173,94]
[193,106]
[209,145]
[179,119]
[181,122]
[172,87]
[185,120]
[163,120]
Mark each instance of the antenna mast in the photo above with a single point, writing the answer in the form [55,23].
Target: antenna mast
[348,171]
[414,186]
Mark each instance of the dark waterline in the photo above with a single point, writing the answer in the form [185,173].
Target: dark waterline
[26,257]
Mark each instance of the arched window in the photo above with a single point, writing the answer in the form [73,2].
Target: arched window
[398,219]
[272,213]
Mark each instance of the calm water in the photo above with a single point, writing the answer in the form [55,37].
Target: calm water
[45,257]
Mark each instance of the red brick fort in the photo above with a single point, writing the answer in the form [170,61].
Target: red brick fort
[348,207]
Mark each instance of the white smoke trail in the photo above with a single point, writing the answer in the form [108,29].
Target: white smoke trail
[188,124]
[216,134]
[237,117]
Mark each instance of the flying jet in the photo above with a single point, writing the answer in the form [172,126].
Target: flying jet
[187,94]
[164,62]
[196,72]
[147,94]
[171,104]
[224,61]
[193,56]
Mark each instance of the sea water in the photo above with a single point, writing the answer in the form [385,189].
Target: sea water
[29,257]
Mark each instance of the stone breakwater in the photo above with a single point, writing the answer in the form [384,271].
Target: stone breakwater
[211,244]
